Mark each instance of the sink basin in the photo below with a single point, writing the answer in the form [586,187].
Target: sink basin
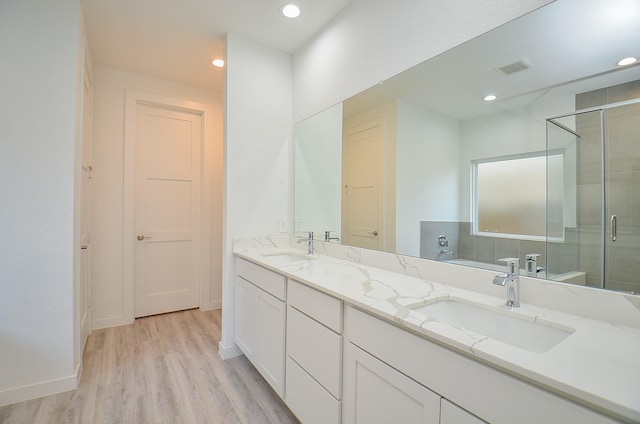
[528,335]
[283,257]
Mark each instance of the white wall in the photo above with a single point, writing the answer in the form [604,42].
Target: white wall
[318,173]
[107,241]
[258,155]
[372,40]
[428,174]
[39,43]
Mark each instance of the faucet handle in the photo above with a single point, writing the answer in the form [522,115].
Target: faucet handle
[327,236]
[531,265]
[513,265]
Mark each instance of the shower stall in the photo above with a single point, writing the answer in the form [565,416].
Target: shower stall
[595,228]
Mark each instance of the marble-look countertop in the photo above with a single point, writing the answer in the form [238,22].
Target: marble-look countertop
[597,365]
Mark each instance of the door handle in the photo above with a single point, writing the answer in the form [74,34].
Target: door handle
[614,228]
[142,237]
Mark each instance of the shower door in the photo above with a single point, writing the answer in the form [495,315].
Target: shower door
[593,237]
[622,197]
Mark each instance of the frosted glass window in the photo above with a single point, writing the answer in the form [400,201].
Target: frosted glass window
[511,195]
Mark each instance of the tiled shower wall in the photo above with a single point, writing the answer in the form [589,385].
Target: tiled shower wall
[465,245]
[622,135]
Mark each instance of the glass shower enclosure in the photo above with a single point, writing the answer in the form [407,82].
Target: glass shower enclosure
[594,234]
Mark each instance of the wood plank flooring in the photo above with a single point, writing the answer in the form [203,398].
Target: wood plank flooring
[161,369]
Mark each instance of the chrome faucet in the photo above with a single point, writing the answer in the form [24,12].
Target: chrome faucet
[327,236]
[512,280]
[444,243]
[309,241]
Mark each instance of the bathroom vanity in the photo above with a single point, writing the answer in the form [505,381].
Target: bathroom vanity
[345,342]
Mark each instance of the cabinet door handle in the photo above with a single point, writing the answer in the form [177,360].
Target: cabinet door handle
[614,228]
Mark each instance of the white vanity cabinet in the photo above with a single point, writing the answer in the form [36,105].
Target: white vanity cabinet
[314,355]
[260,320]
[468,388]
[345,360]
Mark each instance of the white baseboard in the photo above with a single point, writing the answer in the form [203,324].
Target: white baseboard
[34,391]
[228,352]
[79,369]
[109,322]
[211,306]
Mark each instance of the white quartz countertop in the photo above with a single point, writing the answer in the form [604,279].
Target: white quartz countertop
[597,365]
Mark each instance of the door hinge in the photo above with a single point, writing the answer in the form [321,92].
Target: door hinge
[88,169]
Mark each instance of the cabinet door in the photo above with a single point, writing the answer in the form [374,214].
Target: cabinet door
[311,403]
[271,325]
[453,414]
[247,318]
[375,393]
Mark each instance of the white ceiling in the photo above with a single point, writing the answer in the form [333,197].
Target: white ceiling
[565,41]
[175,39]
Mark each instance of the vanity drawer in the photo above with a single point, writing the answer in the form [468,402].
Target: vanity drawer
[316,349]
[268,281]
[319,306]
[308,400]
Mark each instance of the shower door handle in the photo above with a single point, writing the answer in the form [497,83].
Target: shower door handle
[614,228]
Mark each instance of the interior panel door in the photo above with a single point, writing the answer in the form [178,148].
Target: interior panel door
[362,191]
[167,210]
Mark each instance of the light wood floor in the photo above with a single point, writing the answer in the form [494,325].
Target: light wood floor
[161,369]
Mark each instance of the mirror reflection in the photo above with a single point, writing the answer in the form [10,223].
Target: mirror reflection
[406,166]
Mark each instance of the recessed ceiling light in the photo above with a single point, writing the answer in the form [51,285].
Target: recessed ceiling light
[489,97]
[290,10]
[219,63]
[627,61]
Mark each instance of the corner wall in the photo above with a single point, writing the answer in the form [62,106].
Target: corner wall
[427,189]
[258,189]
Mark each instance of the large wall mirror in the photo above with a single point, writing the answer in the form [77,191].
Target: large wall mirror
[427,164]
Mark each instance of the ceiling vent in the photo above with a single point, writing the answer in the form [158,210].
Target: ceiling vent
[514,67]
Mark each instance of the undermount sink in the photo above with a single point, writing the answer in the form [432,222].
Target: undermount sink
[282,257]
[528,335]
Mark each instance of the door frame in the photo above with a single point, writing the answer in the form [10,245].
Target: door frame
[134,98]
[86,159]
